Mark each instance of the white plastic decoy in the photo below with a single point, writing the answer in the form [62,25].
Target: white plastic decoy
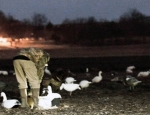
[143,74]
[70,80]
[130,69]
[84,84]
[98,78]
[9,103]
[70,87]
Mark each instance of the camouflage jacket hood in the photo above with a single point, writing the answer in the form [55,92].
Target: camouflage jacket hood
[38,56]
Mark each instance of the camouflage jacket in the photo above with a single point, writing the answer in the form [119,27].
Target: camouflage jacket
[38,56]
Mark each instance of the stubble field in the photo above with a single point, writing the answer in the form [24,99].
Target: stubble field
[104,98]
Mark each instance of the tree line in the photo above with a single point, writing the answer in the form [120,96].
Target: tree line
[132,27]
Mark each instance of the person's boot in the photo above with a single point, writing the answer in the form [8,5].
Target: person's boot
[24,102]
[35,96]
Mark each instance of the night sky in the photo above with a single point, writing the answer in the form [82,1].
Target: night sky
[58,10]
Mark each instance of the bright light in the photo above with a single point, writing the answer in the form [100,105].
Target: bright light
[3,40]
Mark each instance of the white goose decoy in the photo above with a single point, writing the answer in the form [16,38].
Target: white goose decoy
[70,87]
[52,95]
[129,69]
[46,70]
[98,78]
[143,74]
[45,102]
[84,84]
[9,103]
[3,72]
[70,80]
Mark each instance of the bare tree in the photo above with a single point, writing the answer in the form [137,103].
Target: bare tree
[39,19]
[39,22]
[132,15]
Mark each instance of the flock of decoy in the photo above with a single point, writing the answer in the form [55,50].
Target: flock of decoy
[45,102]
[129,80]
[70,85]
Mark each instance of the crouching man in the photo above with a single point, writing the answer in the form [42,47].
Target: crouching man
[29,66]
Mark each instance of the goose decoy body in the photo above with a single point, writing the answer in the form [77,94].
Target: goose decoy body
[143,74]
[70,80]
[129,69]
[132,81]
[70,87]
[98,78]
[45,102]
[84,84]
[9,103]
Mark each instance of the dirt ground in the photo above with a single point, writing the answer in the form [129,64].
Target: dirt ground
[104,98]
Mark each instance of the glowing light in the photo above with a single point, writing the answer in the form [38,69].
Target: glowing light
[3,40]
[27,39]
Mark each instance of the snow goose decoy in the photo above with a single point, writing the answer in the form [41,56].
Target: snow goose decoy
[9,103]
[70,80]
[129,69]
[45,102]
[70,87]
[132,81]
[98,78]
[3,72]
[143,74]
[84,84]
[52,95]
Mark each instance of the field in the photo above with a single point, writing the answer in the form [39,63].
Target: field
[104,98]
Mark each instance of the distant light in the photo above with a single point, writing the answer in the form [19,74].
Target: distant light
[3,40]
